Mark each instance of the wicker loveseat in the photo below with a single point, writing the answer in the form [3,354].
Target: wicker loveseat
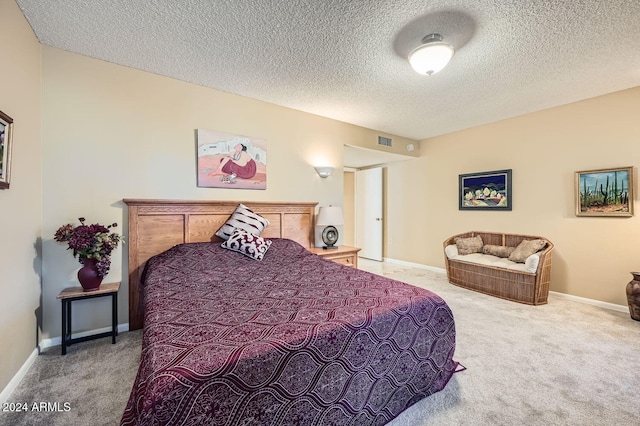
[526,282]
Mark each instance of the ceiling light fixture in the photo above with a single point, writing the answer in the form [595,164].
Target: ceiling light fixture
[431,56]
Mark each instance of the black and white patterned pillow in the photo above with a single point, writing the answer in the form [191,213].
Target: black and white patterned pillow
[245,219]
[253,246]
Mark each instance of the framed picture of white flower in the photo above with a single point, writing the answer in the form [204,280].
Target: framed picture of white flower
[6,136]
[485,191]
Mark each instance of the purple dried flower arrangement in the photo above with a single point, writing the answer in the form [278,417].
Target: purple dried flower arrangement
[90,242]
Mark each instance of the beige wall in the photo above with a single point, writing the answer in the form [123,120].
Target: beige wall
[593,256]
[21,204]
[112,132]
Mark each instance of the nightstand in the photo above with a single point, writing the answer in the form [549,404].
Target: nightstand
[70,294]
[344,255]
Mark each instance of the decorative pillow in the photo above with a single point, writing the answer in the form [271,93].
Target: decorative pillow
[531,264]
[525,249]
[451,251]
[253,246]
[500,251]
[245,219]
[469,245]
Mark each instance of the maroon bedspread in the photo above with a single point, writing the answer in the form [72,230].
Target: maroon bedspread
[291,340]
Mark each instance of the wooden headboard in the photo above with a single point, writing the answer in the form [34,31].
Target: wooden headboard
[158,225]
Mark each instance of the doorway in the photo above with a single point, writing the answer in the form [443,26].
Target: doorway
[368,213]
[364,224]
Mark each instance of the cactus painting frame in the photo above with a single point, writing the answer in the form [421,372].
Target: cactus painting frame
[605,192]
[485,191]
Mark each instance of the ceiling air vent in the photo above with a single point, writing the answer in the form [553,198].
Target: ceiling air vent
[384,141]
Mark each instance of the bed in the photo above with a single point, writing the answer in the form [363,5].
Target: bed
[292,339]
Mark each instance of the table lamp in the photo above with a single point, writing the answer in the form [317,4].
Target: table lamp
[329,217]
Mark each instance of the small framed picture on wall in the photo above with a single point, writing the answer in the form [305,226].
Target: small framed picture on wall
[6,138]
[231,161]
[604,192]
[485,191]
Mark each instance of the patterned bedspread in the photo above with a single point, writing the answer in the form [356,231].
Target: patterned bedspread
[291,340]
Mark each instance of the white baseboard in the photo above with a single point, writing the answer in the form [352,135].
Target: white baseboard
[598,303]
[15,381]
[55,341]
[414,265]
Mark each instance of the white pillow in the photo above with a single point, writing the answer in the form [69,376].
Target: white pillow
[242,218]
[451,251]
[531,263]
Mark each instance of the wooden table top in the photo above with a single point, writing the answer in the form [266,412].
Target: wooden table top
[79,291]
[338,250]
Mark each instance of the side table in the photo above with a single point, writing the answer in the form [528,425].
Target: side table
[70,294]
[344,255]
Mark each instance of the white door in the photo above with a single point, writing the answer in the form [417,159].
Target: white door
[369,213]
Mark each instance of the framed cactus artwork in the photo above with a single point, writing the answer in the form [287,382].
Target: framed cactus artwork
[605,192]
[485,191]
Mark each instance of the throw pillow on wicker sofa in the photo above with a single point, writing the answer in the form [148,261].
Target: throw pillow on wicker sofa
[500,251]
[525,249]
[469,245]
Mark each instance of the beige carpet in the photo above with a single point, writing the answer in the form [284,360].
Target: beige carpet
[94,379]
[564,363]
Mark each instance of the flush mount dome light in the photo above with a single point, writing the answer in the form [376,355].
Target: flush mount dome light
[431,56]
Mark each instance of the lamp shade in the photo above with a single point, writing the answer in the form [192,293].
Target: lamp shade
[432,56]
[324,172]
[331,215]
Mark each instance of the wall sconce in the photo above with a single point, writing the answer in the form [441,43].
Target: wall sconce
[324,172]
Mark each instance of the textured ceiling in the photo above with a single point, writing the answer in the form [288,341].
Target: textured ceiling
[347,59]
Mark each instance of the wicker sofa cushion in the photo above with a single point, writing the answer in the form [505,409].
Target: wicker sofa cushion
[525,249]
[469,245]
[530,264]
[500,251]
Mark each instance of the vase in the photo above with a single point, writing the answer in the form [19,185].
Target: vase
[633,296]
[88,275]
